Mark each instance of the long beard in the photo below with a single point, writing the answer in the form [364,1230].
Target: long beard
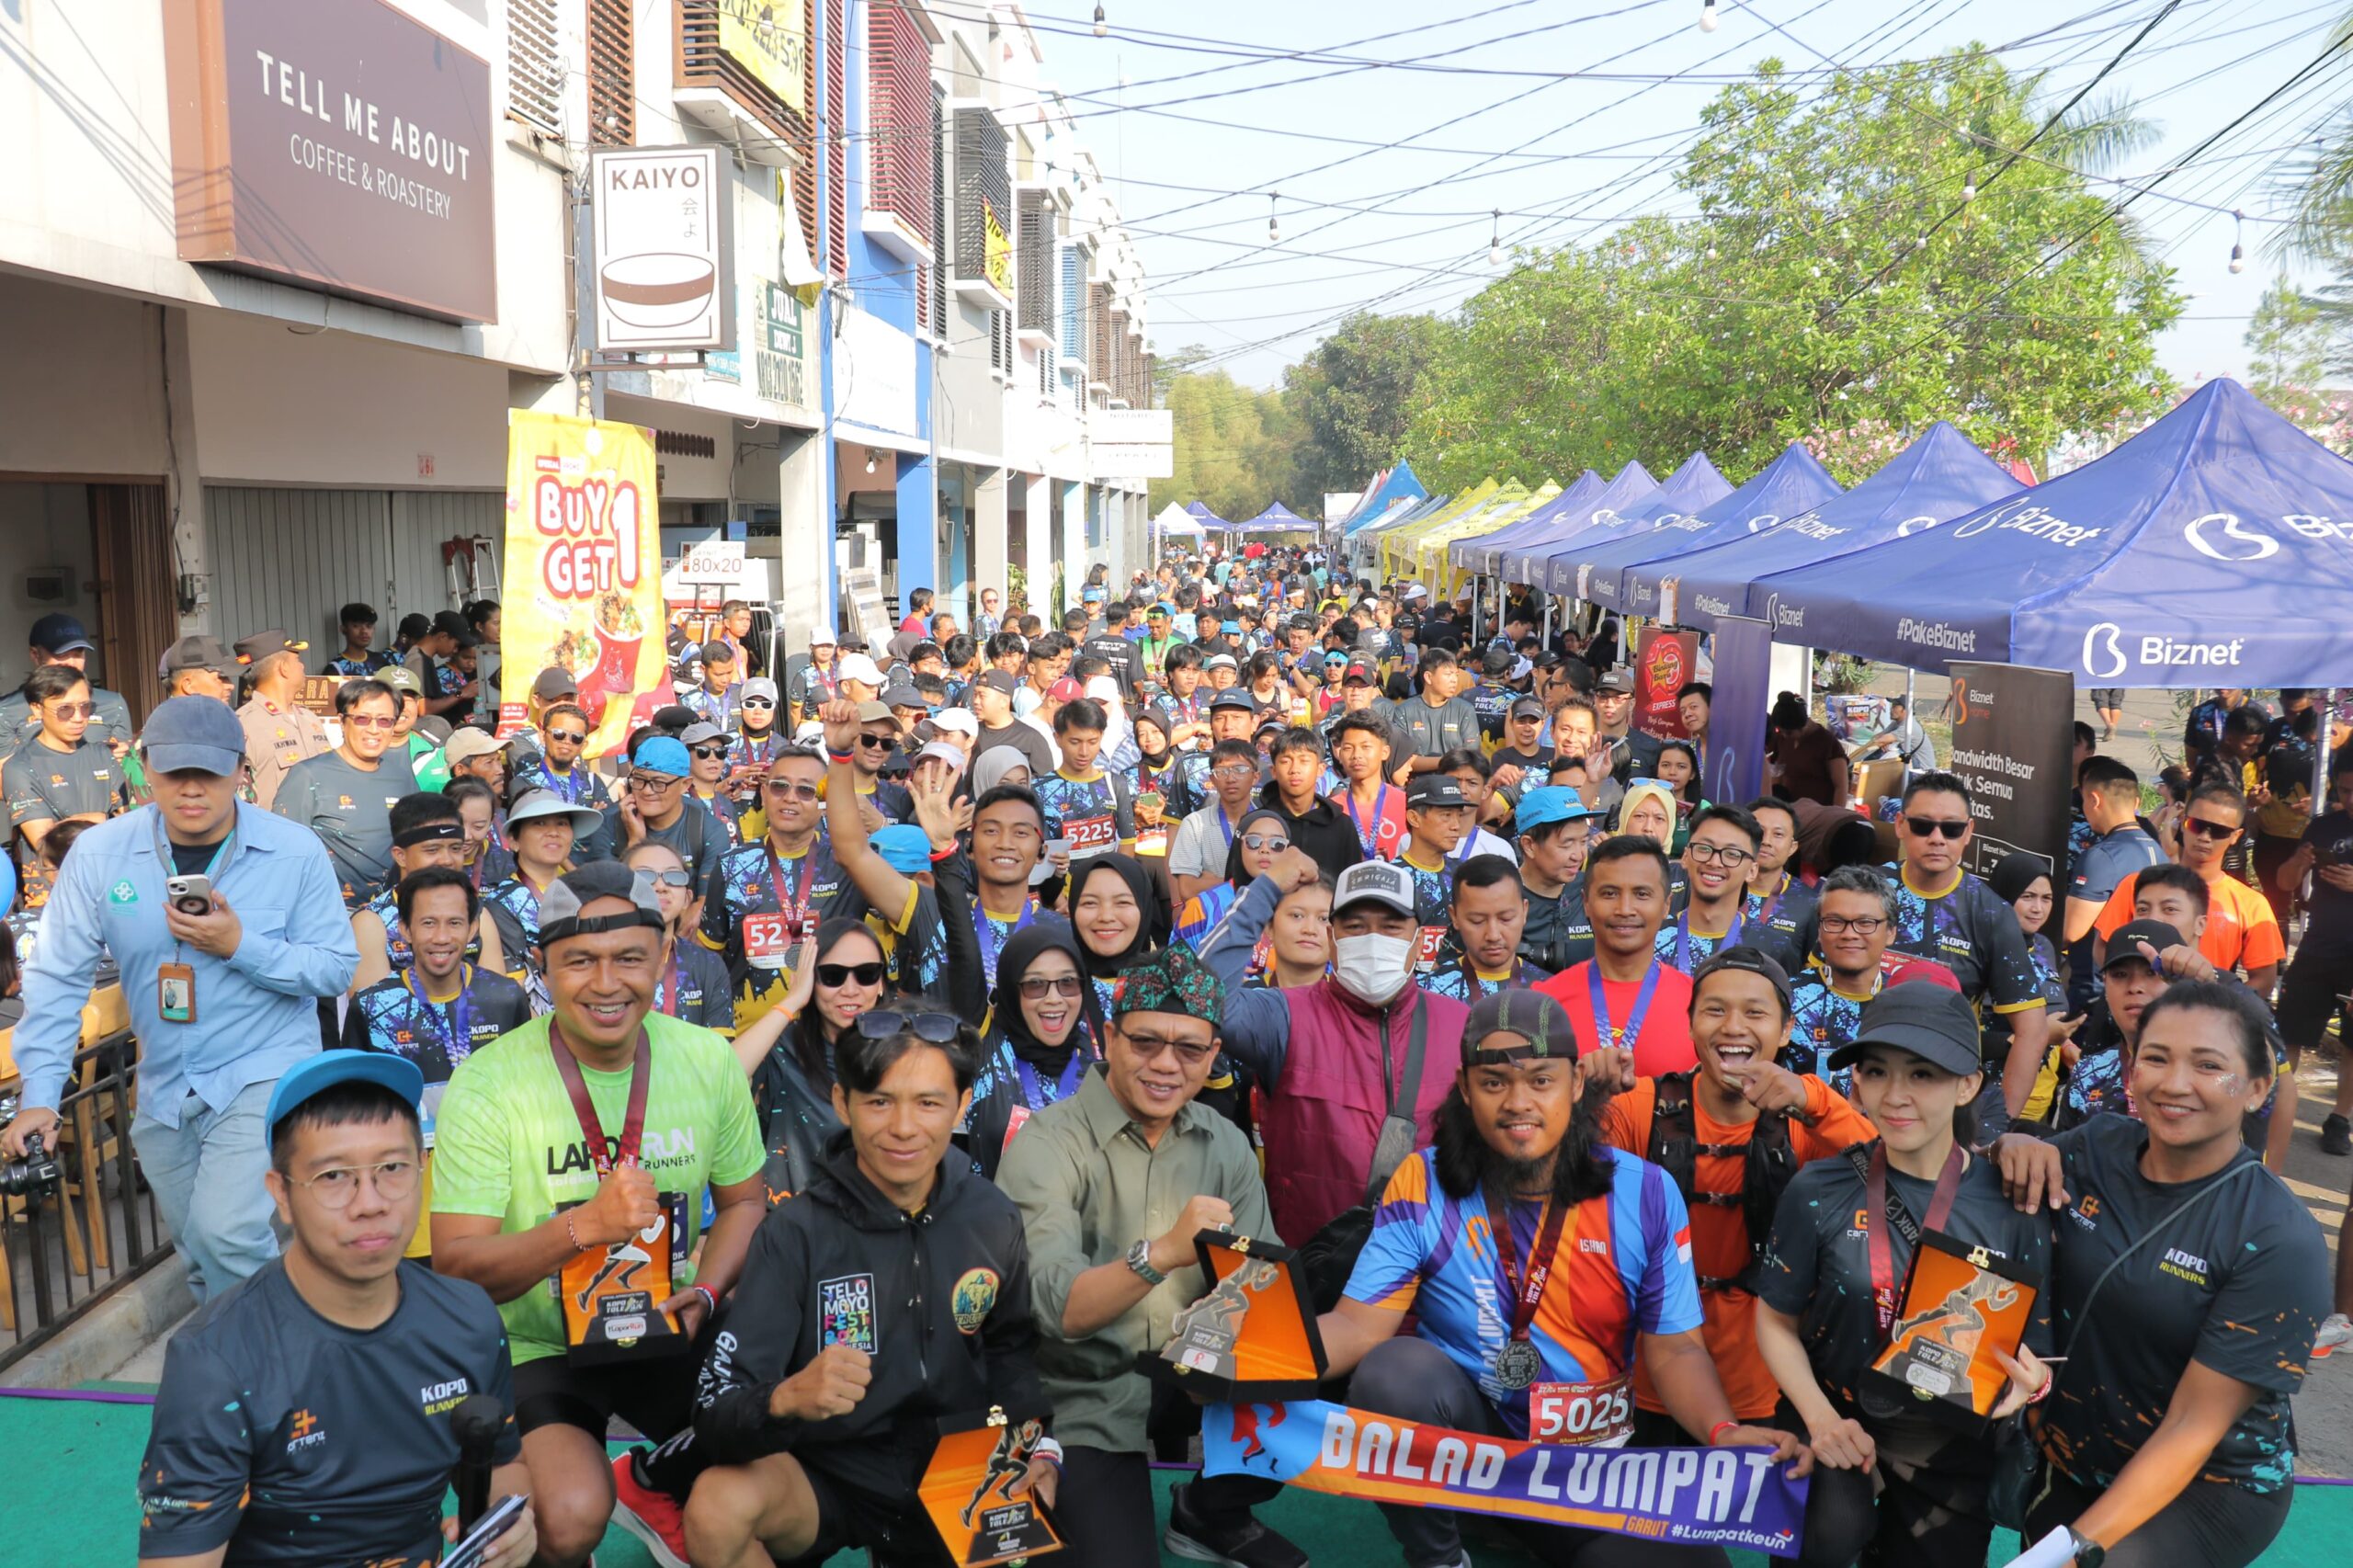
[1523,1177]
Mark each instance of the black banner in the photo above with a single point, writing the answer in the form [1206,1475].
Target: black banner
[2013,743]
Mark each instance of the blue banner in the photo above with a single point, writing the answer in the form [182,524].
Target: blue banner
[1691,1496]
[1743,682]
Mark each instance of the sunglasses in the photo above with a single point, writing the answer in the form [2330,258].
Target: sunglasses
[1061,985]
[1257,842]
[75,709]
[939,1029]
[368,721]
[878,742]
[569,737]
[2205,829]
[794,790]
[677,878]
[1935,827]
[759,702]
[706,753]
[839,975]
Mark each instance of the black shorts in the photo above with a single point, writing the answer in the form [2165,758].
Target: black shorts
[892,1526]
[2108,698]
[2321,971]
[655,1397]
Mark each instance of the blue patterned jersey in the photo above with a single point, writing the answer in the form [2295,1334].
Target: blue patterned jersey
[577,787]
[352,669]
[1098,814]
[1822,1019]
[747,883]
[394,1016]
[1463,984]
[1972,932]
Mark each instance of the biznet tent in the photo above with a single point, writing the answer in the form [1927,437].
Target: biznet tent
[1275,519]
[2211,549]
[1691,487]
[1523,560]
[1203,516]
[1791,484]
[1485,554]
[1555,572]
[1936,478]
[1659,524]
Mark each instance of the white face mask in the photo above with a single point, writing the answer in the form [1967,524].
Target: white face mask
[1372,967]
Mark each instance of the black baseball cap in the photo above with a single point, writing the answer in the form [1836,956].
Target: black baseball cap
[1434,791]
[1747,960]
[1934,1023]
[1617,682]
[999,681]
[1527,707]
[2126,943]
[59,634]
[1539,1020]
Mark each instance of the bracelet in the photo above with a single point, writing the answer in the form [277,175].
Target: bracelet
[939,855]
[842,757]
[570,1232]
[1050,1450]
[2040,1394]
[1720,1428]
[707,1295]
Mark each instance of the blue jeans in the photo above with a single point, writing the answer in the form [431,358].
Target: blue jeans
[207,1178]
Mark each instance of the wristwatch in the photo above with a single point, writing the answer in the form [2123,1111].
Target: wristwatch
[1140,1259]
[2089,1553]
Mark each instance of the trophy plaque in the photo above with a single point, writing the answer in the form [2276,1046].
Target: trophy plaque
[1253,1336]
[966,1490]
[1959,1303]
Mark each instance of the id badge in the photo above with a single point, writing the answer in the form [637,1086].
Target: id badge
[768,942]
[1593,1415]
[176,992]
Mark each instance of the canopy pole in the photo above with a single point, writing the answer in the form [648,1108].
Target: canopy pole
[2320,753]
[1907,694]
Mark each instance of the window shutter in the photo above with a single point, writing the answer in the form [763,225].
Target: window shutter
[612,73]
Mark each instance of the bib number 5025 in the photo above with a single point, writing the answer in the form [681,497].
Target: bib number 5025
[1580,1412]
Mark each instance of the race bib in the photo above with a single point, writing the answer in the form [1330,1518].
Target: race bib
[768,942]
[1015,1122]
[1091,835]
[1596,1416]
[1426,944]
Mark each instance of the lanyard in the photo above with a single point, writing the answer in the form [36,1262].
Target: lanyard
[985,931]
[1366,838]
[794,907]
[1683,938]
[592,1128]
[1470,842]
[1224,826]
[1632,1032]
[1876,1208]
[1034,1096]
[568,785]
[668,990]
[458,1021]
[1524,1293]
[1765,910]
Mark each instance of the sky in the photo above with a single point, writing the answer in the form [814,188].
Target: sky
[1381,136]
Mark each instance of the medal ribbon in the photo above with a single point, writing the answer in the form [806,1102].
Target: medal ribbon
[1683,938]
[985,932]
[795,905]
[1524,1293]
[593,1128]
[667,989]
[1033,1096]
[1874,1225]
[1633,1029]
[458,1021]
[1368,838]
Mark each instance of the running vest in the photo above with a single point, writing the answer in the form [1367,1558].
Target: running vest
[1767,1165]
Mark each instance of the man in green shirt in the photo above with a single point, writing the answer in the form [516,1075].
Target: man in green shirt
[523,1188]
[1113,1184]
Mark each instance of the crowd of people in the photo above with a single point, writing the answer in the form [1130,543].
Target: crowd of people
[867,1043]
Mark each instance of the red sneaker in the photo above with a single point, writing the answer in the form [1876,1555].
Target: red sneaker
[655,1517]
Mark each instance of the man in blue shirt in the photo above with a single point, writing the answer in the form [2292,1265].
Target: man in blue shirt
[2111,796]
[223,1001]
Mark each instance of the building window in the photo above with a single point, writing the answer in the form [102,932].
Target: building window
[534,67]
[612,73]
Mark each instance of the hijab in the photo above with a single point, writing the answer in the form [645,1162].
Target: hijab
[2017,872]
[1236,872]
[1162,724]
[990,768]
[1638,792]
[1048,933]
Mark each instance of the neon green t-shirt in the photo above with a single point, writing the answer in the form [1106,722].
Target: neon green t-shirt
[506,1143]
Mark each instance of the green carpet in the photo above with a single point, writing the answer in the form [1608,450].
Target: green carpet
[75,1462]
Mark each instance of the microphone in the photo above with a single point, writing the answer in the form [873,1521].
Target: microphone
[477,1422]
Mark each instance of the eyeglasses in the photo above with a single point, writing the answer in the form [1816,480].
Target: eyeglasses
[569,737]
[1935,827]
[367,721]
[1257,842]
[2205,829]
[838,974]
[939,1029]
[675,878]
[653,783]
[1061,985]
[706,753]
[74,710]
[1719,854]
[1189,1053]
[1864,925]
[759,702]
[878,742]
[1234,770]
[336,1186]
[794,789]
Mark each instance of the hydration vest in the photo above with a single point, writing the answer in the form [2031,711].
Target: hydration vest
[1768,1165]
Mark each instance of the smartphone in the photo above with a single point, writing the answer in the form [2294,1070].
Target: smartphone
[189,895]
[485,1533]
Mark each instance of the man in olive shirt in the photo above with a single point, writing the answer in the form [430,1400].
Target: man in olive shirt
[280,732]
[1113,1184]
[346,795]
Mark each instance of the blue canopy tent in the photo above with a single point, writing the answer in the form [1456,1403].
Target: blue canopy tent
[1555,570]
[1791,484]
[1275,519]
[1401,484]
[1203,516]
[2180,559]
[1364,543]
[1938,477]
[1485,553]
[1652,527]
[1693,485]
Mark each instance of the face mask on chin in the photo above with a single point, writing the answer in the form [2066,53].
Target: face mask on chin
[1372,967]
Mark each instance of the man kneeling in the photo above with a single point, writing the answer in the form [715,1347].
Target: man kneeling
[822,1381]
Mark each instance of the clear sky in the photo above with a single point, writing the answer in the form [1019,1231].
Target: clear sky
[1570,115]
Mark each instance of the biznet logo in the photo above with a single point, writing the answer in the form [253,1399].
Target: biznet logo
[1776,615]
[2028,518]
[2106,656]
[1937,634]
[1762,520]
[2225,536]
[1809,525]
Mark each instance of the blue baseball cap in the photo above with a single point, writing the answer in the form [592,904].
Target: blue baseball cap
[310,1077]
[1548,803]
[193,733]
[905,848]
[663,754]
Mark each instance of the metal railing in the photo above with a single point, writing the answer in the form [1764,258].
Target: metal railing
[66,1245]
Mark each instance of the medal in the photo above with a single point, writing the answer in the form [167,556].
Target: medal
[1517,1363]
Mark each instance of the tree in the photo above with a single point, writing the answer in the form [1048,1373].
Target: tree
[1234,446]
[1902,244]
[2287,342]
[1356,395]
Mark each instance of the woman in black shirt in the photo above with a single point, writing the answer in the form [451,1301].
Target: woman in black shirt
[2199,1281]
[1826,1304]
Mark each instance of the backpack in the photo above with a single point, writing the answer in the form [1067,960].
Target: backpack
[1768,1163]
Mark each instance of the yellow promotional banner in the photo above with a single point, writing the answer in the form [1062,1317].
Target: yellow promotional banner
[584,569]
[770,39]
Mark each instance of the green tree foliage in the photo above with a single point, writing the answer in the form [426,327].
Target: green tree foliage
[1235,447]
[1835,278]
[1356,395]
[2287,343]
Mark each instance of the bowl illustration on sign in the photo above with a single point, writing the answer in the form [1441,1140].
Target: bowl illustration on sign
[658,288]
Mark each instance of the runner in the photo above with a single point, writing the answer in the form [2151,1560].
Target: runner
[1518,1159]
[427,831]
[693,987]
[1625,996]
[1360,745]
[346,795]
[1316,824]
[1716,858]
[1888,1484]
[2110,793]
[2242,931]
[762,901]
[1438,819]
[1197,855]
[1035,1049]
[542,832]
[1486,917]
[1555,832]
[61,775]
[358,623]
[1092,808]
[1779,899]
[1857,920]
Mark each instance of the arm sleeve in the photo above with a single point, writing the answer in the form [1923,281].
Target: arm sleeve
[2260,1327]
[756,1352]
[58,981]
[1787,1276]
[317,957]
[193,1481]
[965,982]
[1009,1334]
[1039,1176]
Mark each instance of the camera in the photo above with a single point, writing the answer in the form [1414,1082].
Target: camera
[38,1175]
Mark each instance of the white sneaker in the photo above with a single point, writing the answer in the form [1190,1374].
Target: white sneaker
[2335,1334]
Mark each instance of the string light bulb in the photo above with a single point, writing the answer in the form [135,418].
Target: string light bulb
[2238,244]
[1708,16]
[870,459]
[1102,27]
[1495,241]
[1273,229]
[1969,186]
